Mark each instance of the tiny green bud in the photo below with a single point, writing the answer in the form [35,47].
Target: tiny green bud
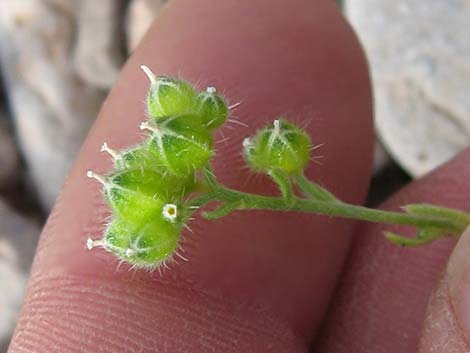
[212,108]
[281,145]
[168,96]
[180,143]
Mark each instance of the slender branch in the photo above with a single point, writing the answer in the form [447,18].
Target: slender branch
[313,190]
[284,183]
[338,209]
[222,211]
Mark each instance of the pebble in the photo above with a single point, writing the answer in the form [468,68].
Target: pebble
[9,159]
[52,106]
[99,53]
[418,53]
[140,16]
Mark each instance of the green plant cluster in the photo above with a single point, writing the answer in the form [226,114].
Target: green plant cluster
[157,185]
[147,190]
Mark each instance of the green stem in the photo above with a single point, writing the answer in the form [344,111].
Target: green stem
[313,190]
[431,221]
[338,209]
[222,211]
[284,183]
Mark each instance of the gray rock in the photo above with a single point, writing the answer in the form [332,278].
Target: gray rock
[140,15]
[9,160]
[18,238]
[418,51]
[99,53]
[52,107]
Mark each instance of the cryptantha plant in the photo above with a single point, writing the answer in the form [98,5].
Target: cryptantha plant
[156,186]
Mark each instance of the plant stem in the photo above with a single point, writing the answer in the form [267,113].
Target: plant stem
[247,201]
[313,190]
[284,183]
[432,222]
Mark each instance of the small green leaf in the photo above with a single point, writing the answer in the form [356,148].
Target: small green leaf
[424,236]
[433,211]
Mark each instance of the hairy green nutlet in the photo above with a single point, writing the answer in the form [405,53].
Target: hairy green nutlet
[146,244]
[148,212]
[212,108]
[281,145]
[148,189]
[136,194]
[181,143]
[138,156]
[168,96]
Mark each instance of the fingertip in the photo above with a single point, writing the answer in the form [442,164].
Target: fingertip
[299,61]
[447,322]
[446,326]
[385,289]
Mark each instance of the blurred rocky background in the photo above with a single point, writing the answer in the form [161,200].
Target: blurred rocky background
[59,58]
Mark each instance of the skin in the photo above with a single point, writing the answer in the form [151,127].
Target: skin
[258,281]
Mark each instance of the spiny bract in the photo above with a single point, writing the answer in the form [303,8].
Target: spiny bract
[148,189]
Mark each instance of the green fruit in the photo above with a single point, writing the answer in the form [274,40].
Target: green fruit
[138,194]
[212,108]
[181,144]
[137,157]
[281,145]
[145,244]
[168,96]
[152,180]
